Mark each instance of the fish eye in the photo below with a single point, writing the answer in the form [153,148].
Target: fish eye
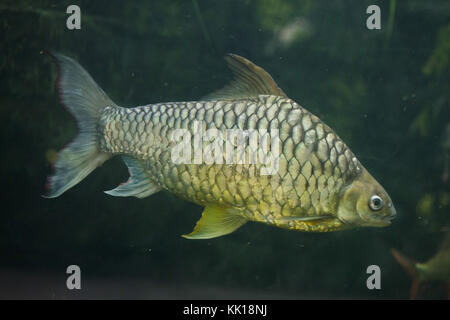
[375,203]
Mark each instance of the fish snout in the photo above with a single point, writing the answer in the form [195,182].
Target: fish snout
[391,214]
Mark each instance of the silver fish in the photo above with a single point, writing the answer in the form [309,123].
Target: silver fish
[319,185]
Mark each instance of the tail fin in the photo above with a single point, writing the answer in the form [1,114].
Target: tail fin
[410,267]
[84,99]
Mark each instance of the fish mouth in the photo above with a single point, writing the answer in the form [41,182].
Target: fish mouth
[372,222]
[391,217]
[383,222]
[388,220]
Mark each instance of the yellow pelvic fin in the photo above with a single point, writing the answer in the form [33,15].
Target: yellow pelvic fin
[215,222]
[249,81]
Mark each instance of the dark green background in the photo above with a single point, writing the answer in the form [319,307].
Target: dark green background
[385,92]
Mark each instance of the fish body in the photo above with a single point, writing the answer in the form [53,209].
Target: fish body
[309,180]
[436,269]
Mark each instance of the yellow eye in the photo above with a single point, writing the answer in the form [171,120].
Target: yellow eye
[375,203]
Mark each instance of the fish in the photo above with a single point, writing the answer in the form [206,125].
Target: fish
[304,177]
[436,269]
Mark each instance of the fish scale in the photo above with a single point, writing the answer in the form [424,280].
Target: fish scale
[318,184]
[315,186]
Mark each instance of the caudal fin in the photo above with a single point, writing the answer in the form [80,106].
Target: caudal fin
[84,99]
[409,266]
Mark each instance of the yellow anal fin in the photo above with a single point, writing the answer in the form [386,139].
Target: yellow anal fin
[215,222]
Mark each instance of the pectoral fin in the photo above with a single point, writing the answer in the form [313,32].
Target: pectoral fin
[312,218]
[138,185]
[216,222]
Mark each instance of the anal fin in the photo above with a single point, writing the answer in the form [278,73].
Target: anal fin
[138,185]
[215,222]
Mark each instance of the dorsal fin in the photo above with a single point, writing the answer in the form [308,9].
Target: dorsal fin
[249,81]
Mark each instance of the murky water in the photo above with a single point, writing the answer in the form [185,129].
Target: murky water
[384,91]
